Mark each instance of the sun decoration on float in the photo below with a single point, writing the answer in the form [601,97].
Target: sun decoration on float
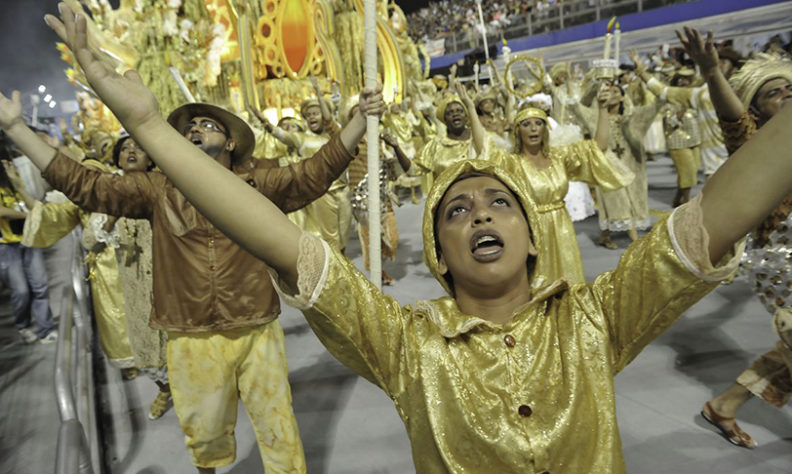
[291,39]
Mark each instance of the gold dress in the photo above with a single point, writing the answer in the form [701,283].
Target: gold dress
[303,218]
[531,395]
[50,222]
[581,161]
[441,152]
[332,211]
[624,208]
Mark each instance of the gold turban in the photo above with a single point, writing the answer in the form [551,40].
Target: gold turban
[756,72]
[530,112]
[445,102]
[490,94]
[505,171]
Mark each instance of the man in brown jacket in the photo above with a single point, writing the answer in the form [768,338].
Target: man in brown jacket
[215,300]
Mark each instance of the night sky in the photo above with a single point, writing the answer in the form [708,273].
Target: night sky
[29,57]
[28,54]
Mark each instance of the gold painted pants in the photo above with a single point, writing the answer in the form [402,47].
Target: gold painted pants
[208,372]
[687,162]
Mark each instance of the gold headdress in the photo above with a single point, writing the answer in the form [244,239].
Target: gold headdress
[558,69]
[756,72]
[503,170]
[530,112]
[445,102]
[489,94]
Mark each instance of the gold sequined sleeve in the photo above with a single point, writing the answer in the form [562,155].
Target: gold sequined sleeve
[50,222]
[735,134]
[361,327]
[585,162]
[676,95]
[424,162]
[659,277]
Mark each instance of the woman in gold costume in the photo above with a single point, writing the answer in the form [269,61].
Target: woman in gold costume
[287,154]
[132,238]
[48,223]
[446,149]
[548,170]
[499,376]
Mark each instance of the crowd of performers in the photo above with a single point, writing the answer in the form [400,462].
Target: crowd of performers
[187,284]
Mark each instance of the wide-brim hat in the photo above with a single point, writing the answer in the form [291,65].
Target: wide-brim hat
[237,128]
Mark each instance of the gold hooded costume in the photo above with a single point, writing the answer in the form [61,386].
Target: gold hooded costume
[581,161]
[50,222]
[531,395]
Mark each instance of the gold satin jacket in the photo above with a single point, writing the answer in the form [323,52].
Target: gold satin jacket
[532,395]
[202,280]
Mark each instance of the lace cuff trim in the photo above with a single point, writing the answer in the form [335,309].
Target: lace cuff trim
[691,243]
[313,262]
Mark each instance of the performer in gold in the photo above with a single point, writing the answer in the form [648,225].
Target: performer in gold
[48,223]
[683,139]
[455,145]
[469,373]
[333,212]
[132,242]
[548,169]
[749,101]
[286,154]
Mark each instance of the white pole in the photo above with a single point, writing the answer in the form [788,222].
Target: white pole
[180,82]
[483,29]
[372,140]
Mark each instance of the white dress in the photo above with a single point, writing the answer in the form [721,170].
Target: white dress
[578,200]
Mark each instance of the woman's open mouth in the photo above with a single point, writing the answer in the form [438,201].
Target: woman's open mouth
[486,246]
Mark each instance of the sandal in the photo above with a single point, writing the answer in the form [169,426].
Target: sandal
[735,435]
[608,244]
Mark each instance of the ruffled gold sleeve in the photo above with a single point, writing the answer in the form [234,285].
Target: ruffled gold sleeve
[585,162]
[50,222]
[359,325]
[658,278]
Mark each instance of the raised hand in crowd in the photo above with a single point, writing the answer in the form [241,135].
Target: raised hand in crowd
[703,52]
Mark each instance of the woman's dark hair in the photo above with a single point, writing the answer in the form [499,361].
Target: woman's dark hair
[117,154]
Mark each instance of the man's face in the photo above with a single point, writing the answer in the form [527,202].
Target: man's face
[313,117]
[132,157]
[484,238]
[772,97]
[455,117]
[208,134]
